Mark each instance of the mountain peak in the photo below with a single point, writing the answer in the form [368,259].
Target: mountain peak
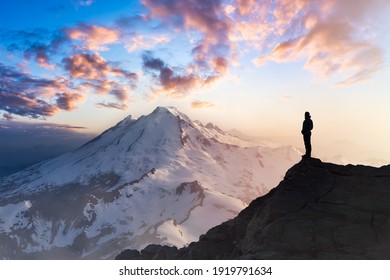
[143,181]
[167,110]
[319,211]
[161,110]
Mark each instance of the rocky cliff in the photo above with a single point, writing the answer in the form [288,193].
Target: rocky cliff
[319,211]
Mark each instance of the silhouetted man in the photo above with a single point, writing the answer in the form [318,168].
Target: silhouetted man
[306,131]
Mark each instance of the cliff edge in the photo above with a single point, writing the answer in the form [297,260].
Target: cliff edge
[319,211]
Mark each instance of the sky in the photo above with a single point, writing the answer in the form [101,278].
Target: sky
[83,65]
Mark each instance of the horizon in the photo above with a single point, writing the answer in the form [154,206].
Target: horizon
[38,132]
[78,67]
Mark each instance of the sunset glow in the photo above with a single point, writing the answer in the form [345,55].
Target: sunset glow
[255,66]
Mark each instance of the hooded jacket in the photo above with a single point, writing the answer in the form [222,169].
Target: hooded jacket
[307,126]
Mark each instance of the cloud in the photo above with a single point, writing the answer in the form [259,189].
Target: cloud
[133,22]
[120,93]
[202,104]
[42,45]
[212,50]
[93,67]
[65,126]
[8,117]
[95,38]
[18,94]
[86,66]
[205,16]
[83,61]
[86,2]
[18,39]
[82,3]
[329,49]
[24,95]
[145,42]
[113,105]
[24,105]
[179,81]
[40,128]
[39,44]
[170,82]
[69,101]
[220,64]
[14,81]
[332,36]
[335,39]
[152,63]
[244,6]
[40,53]
[101,76]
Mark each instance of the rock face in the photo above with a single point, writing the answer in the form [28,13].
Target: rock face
[319,211]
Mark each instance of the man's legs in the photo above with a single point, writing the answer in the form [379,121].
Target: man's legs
[306,139]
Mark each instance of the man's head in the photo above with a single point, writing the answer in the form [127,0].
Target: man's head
[307,115]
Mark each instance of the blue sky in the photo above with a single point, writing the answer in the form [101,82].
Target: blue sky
[252,65]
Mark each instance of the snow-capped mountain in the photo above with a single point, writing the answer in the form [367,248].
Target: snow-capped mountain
[160,179]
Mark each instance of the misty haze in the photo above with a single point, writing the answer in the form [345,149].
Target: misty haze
[194,129]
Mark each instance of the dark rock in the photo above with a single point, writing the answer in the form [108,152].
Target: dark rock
[129,255]
[165,253]
[319,211]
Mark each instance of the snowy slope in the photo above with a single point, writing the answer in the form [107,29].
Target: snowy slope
[159,179]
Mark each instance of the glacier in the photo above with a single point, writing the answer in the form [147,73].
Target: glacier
[159,179]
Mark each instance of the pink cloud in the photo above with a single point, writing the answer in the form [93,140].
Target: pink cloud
[202,104]
[212,51]
[26,105]
[69,101]
[330,36]
[220,64]
[244,6]
[39,52]
[145,42]
[177,82]
[87,66]
[205,16]
[94,67]
[113,88]
[100,76]
[169,81]
[25,95]
[94,37]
